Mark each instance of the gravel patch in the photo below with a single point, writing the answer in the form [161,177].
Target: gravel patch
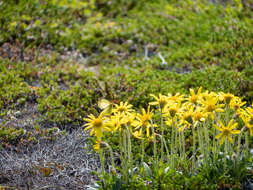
[66,163]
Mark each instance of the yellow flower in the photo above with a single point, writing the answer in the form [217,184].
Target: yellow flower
[115,122]
[186,118]
[144,120]
[226,97]
[199,116]
[169,121]
[130,120]
[176,98]
[236,104]
[123,108]
[193,98]
[97,125]
[161,100]
[210,105]
[172,109]
[138,134]
[247,117]
[249,111]
[226,131]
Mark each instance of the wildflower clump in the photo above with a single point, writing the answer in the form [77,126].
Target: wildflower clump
[180,130]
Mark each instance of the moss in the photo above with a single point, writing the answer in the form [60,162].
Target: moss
[13,88]
[135,85]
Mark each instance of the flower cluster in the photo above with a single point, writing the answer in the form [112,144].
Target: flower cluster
[212,119]
[185,112]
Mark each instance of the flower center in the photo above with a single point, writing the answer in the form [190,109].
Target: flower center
[98,123]
[145,120]
[122,109]
[236,106]
[188,118]
[173,111]
[193,98]
[197,116]
[210,108]
[228,98]
[226,132]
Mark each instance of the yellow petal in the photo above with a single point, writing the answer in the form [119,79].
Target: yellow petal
[221,124]
[230,122]
[235,132]
[192,92]
[234,126]
[222,139]
[216,126]
[148,133]
[218,136]
[87,128]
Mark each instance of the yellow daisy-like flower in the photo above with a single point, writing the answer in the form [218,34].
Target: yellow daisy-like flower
[130,120]
[226,97]
[172,109]
[206,95]
[247,117]
[115,122]
[186,118]
[123,108]
[176,98]
[193,98]
[249,111]
[161,100]
[97,125]
[169,121]
[138,134]
[226,131]
[199,116]
[211,106]
[236,104]
[144,120]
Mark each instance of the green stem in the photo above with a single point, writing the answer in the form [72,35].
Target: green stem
[102,162]
[143,152]
[124,161]
[215,151]
[120,145]
[162,130]
[246,143]
[111,154]
[183,144]
[225,153]
[207,149]
[180,144]
[200,141]
[154,142]
[129,150]
[194,148]
[165,145]
[172,143]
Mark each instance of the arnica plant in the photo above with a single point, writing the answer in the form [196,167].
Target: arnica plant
[183,133]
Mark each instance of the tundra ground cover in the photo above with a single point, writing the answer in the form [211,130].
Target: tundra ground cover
[59,58]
